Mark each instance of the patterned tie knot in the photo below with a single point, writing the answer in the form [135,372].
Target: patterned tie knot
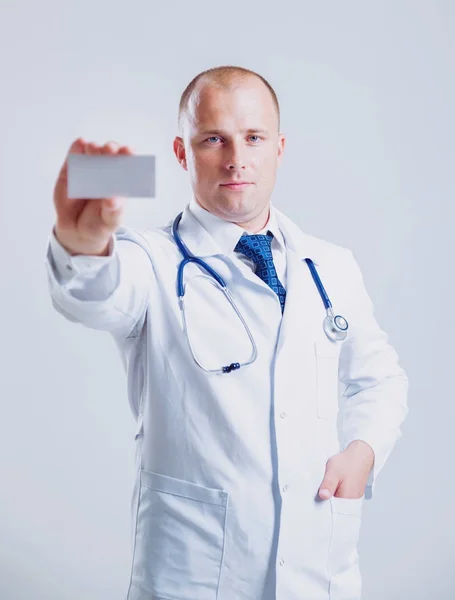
[257,247]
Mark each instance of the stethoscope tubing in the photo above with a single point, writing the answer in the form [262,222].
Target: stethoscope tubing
[189,257]
[317,280]
[340,324]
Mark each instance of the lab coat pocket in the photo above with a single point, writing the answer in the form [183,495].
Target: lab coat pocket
[179,538]
[327,357]
[346,518]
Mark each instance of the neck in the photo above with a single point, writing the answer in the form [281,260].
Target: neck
[252,225]
[257,223]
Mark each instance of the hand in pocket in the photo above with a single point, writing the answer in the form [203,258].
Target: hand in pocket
[346,473]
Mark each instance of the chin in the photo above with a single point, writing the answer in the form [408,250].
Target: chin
[241,204]
[234,211]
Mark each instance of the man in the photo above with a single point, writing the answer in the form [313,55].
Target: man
[244,489]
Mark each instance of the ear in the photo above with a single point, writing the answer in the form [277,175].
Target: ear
[281,144]
[179,151]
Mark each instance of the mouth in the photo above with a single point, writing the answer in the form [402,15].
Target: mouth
[239,185]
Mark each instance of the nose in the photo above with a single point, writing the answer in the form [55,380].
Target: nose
[235,159]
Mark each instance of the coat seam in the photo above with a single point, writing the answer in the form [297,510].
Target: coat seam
[223,552]
[135,534]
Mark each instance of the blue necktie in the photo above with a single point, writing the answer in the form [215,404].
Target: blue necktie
[257,247]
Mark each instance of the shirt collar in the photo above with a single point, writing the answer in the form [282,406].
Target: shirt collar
[227,234]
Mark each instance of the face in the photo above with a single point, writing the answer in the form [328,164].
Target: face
[231,135]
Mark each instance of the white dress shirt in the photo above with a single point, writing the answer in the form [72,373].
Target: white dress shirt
[227,234]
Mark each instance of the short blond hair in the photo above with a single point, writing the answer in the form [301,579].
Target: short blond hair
[224,76]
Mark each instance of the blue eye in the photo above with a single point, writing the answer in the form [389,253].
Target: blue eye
[216,137]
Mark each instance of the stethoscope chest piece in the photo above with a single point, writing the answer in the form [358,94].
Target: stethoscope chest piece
[335,327]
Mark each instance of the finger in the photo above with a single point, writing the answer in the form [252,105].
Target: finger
[68,209]
[89,220]
[126,150]
[329,483]
[97,219]
[91,148]
[114,203]
[110,148]
[112,211]
[77,147]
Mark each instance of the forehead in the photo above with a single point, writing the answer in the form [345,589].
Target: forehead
[235,104]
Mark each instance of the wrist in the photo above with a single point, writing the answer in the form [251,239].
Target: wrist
[85,250]
[361,448]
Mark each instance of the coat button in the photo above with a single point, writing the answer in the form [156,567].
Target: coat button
[281,562]
[285,488]
[282,415]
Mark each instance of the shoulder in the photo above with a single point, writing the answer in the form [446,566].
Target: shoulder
[320,250]
[323,247]
[154,240]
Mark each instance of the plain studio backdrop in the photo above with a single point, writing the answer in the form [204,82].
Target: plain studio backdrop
[367,97]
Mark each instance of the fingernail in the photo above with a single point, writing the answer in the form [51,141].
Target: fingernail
[326,493]
[114,204]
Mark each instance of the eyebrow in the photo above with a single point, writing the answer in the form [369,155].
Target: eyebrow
[221,132]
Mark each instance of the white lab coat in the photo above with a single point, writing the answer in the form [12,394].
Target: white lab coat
[228,466]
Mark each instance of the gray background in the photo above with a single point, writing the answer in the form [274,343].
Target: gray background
[367,97]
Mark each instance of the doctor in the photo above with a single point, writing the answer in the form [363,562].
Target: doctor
[246,487]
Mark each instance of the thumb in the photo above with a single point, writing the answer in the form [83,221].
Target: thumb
[112,210]
[329,483]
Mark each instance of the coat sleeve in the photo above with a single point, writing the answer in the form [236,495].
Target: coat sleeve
[374,403]
[107,293]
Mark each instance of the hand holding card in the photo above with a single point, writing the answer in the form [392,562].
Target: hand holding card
[85,224]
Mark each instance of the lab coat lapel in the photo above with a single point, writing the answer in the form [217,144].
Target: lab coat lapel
[198,241]
[304,311]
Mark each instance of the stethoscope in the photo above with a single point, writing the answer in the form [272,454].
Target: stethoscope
[335,326]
